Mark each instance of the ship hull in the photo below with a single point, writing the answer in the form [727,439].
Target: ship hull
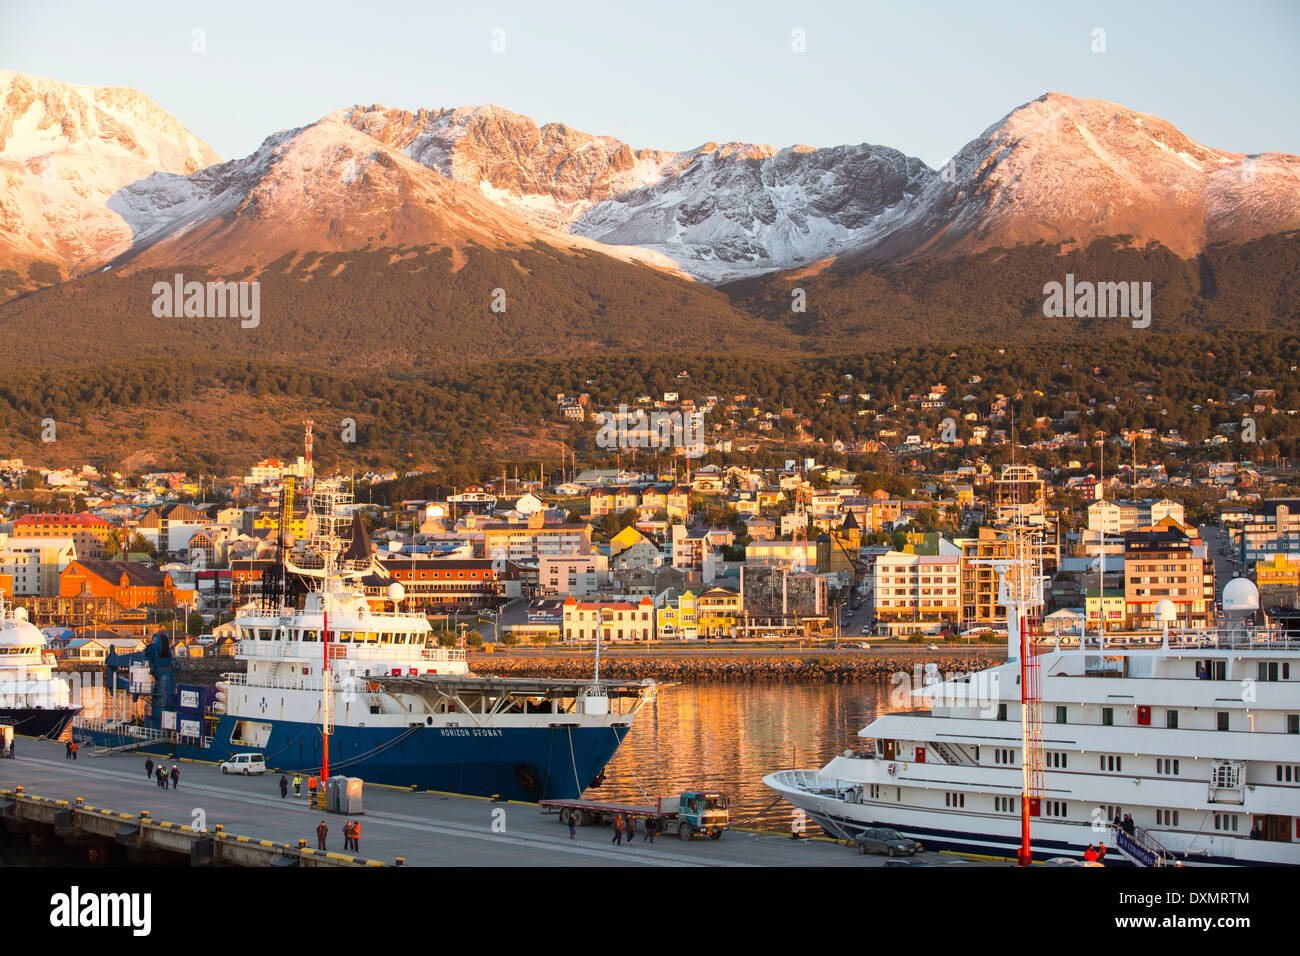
[995,838]
[38,721]
[515,763]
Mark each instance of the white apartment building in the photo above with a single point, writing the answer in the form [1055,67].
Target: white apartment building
[35,563]
[570,574]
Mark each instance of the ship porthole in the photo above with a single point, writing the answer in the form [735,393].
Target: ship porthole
[428,721]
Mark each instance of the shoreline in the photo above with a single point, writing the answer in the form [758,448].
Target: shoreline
[700,668]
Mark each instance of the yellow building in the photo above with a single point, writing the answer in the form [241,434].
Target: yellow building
[719,612]
[1111,605]
[1280,570]
[678,620]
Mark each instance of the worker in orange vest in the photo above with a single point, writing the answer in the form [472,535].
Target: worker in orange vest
[1090,855]
[356,836]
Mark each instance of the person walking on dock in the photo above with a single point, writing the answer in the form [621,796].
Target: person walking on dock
[284,786]
[297,786]
[176,776]
[322,831]
[650,825]
[148,767]
[73,745]
[631,828]
[618,829]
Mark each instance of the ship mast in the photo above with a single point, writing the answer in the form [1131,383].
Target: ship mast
[1020,591]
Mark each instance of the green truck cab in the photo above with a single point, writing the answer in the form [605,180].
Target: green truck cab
[702,811]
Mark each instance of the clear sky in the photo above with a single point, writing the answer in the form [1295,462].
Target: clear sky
[924,77]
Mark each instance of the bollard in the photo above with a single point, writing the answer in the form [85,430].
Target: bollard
[302,844]
[81,801]
[144,814]
[401,861]
[218,828]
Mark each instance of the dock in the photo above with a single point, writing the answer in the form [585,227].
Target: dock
[215,819]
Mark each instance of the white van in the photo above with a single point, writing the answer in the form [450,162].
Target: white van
[245,764]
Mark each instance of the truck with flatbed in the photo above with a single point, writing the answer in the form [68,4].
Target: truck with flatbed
[688,813]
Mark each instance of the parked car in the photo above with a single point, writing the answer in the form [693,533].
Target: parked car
[885,840]
[932,647]
[245,764]
[864,647]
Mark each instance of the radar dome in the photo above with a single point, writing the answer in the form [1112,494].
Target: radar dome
[1165,610]
[287,539]
[396,592]
[1240,594]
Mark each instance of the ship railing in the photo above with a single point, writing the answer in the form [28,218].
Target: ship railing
[1263,638]
[1141,847]
[298,683]
[121,728]
[365,651]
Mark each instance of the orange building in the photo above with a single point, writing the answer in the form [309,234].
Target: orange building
[130,585]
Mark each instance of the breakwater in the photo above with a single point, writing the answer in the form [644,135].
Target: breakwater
[703,669]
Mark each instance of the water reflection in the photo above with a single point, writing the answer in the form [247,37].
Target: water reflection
[727,736]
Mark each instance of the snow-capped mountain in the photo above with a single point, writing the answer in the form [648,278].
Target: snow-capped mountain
[321,188]
[719,211]
[1062,168]
[64,150]
[93,175]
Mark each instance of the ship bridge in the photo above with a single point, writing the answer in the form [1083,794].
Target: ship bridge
[493,696]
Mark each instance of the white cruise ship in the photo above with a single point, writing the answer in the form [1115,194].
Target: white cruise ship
[32,699]
[1193,734]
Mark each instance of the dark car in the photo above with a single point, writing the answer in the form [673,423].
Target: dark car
[885,840]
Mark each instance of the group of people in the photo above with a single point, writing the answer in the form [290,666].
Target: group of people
[70,750]
[161,773]
[625,825]
[1125,823]
[351,835]
[1095,854]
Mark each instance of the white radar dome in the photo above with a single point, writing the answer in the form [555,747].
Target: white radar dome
[396,592]
[1240,594]
[1165,610]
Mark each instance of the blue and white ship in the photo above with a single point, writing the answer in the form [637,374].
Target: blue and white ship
[398,709]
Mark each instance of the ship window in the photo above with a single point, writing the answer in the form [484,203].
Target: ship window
[1108,716]
[1222,719]
[1002,711]
[1171,719]
[1293,723]
[1061,714]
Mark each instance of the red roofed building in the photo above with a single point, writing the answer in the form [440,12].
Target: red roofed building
[615,620]
[89,533]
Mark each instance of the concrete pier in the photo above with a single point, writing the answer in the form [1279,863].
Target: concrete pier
[258,828]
